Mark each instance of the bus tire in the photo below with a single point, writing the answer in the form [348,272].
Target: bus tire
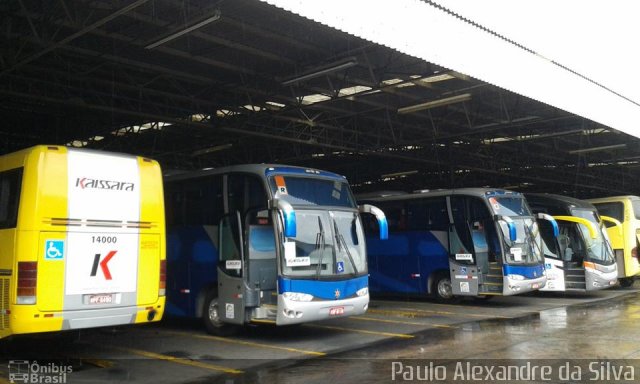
[211,318]
[626,282]
[442,289]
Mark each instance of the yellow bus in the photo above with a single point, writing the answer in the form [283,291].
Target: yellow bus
[82,240]
[625,242]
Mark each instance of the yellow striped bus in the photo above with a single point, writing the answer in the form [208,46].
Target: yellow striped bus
[82,240]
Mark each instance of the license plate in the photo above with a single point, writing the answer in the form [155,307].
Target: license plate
[335,311]
[100,299]
[535,286]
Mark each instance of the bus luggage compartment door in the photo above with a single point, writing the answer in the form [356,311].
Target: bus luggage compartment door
[464,279]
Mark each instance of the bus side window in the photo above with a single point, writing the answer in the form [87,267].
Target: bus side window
[174,204]
[396,215]
[10,185]
[437,216]
[203,204]
[416,218]
[428,214]
[245,192]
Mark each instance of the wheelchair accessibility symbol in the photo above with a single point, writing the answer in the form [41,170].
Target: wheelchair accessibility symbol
[54,249]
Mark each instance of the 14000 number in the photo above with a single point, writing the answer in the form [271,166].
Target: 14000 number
[104,239]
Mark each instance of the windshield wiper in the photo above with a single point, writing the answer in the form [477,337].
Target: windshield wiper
[320,243]
[533,239]
[340,240]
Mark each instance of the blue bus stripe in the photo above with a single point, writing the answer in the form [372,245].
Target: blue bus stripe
[323,289]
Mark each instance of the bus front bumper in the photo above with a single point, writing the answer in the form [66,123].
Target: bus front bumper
[596,280]
[514,287]
[296,312]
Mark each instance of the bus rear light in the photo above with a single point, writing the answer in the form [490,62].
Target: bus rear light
[634,253]
[162,289]
[27,282]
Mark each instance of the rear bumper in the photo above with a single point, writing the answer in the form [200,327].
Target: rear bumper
[28,319]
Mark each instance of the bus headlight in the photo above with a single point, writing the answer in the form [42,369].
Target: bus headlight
[297,296]
[362,292]
[515,277]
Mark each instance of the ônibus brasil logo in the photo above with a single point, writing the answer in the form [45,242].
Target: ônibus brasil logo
[88,183]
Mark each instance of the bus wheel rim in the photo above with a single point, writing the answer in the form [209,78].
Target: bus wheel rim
[444,289]
[213,313]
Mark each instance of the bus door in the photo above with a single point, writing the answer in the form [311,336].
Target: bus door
[261,263]
[463,263]
[231,270]
[552,247]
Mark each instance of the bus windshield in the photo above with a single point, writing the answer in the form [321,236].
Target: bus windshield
[598,249]
[329,244]
[300,190]
[509,205]
[527,248]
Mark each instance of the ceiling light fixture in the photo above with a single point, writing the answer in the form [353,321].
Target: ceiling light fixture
[186,30]
[398,174]
[209,150]
[435,103]
[598,149]
[351,62]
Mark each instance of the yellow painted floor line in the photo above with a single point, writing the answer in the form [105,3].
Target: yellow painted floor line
[247,343]
[178,360]
[100,363]
[388,334]
[400,322]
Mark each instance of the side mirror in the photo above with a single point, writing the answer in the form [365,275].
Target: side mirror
[554,223]
[513,232]
[288,214]
[382,219]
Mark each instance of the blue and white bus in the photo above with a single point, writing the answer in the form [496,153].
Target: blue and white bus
[580,258]
[464,242]
[265,243]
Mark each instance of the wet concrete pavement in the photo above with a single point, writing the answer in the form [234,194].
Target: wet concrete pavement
[591,342]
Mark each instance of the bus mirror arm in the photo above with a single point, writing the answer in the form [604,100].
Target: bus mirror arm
[554,223]
[513,233]
[380,216]
[614,221]
[579,220]
[288,214]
